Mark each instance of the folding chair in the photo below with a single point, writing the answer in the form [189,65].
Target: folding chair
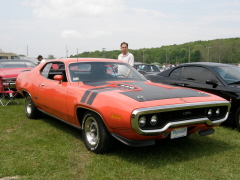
[7,94]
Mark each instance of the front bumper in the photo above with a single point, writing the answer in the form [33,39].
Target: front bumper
[175,124]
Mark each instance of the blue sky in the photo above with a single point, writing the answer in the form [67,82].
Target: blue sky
[48,26]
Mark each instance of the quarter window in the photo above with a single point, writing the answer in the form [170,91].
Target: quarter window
[176,73]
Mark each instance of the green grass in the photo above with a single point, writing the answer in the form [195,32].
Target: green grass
[49,149]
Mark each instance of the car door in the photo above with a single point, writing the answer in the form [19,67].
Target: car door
[196,77]
[52,94]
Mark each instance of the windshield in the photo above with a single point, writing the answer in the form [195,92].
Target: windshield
[16,64]
[229,74]
[148,68]
[102,71]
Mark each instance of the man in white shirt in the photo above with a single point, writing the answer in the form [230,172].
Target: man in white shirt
[126,56]
[41,60]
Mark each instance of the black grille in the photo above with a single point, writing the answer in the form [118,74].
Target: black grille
[180,115]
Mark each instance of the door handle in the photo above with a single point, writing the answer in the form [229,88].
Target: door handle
[42,84]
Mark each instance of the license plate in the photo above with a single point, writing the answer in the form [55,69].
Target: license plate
[179,132]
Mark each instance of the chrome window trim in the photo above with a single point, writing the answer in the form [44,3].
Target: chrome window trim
[151,110]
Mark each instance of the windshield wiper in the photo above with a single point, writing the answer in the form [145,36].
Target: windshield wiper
[236,82]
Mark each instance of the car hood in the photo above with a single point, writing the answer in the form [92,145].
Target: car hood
[12,72]
[142,91]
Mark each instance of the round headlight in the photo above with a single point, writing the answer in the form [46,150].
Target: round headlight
[217,111]
[209,113]
[153,120]
[142,121]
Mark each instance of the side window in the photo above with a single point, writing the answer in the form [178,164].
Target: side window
[46,69]
[54,68]
[198,74]
[176,73]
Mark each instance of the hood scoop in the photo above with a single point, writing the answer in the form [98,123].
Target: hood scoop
[127,87]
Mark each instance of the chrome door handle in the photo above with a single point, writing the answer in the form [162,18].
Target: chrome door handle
[42,84]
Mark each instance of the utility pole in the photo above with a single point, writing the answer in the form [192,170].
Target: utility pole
[66,51]
[166,55]
[208,52]
[143,55]
[189,54]
[103,49]
[27,50]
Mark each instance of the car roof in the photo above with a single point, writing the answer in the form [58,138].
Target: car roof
[69,60]
[210,64]
[14,60]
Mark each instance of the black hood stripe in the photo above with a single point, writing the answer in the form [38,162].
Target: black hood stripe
[151,92]
[89,91]
[95,93]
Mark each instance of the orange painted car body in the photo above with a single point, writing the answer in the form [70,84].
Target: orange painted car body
[118,102]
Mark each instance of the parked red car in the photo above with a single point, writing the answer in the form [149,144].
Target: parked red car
[118,103]
[10,69]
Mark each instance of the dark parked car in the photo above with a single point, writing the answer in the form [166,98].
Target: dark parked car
[146,68]
[219,79]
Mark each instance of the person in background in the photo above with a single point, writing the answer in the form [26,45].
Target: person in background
[126,56]
[41,60]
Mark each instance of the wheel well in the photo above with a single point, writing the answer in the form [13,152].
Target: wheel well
[81,111]
[24,93]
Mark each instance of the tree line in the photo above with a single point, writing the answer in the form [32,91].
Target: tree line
[219,50]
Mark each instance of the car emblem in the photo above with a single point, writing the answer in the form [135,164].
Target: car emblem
[187,113]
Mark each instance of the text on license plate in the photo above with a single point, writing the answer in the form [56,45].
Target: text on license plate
[179,132]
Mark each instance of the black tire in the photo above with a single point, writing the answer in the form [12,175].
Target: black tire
[96,136]
[30,109]
[237,119]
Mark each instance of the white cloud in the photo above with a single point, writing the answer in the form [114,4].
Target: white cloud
[62,9]
[72,34]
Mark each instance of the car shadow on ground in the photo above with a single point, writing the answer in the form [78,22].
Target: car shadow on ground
[165,150]
[66,128]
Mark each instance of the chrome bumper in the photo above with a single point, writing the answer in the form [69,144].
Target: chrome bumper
[152,110]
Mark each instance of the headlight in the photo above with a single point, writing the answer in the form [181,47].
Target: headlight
[209,113]
[154,120]
[217,111]
[142,121]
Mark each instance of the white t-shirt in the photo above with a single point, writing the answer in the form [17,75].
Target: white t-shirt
[128,58]
[42,61]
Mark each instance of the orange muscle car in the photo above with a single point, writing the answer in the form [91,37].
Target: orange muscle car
[108,100]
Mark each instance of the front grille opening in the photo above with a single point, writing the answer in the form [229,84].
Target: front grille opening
[181,115]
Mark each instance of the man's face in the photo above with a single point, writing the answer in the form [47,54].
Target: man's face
[40,59]
[124,48]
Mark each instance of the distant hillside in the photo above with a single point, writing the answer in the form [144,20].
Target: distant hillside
[219,50]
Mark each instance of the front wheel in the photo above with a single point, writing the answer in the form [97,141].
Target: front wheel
[237,119]
[30,109]
[95,134]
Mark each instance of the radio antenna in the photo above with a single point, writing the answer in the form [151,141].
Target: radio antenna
[77,64]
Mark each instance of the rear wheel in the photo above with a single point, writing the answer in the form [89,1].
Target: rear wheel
[95,134]
[30,109]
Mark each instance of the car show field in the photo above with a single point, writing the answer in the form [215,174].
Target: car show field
[48,149]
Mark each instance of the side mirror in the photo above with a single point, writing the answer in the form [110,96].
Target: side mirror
[212,82]
[58,78]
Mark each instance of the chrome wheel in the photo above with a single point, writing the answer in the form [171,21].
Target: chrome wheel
[91,131]
[28,104]
[96,137]
[30,109]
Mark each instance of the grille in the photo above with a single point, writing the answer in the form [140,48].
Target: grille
[181,115]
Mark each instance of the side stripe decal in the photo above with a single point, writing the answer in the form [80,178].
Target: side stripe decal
[95,93]
[88,92]
[92,93]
